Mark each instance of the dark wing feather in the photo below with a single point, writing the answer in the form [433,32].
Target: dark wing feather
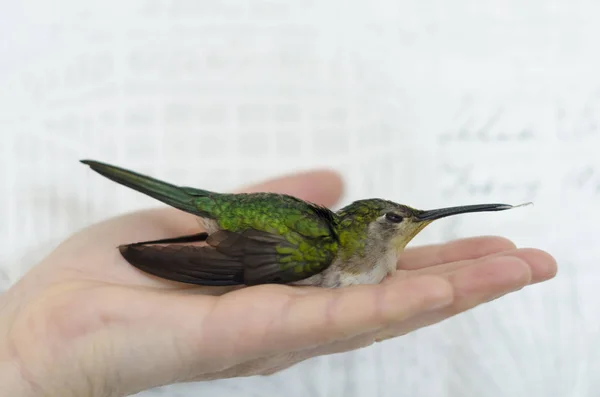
[192,238]
[185,263]
[260,252]
[250,257]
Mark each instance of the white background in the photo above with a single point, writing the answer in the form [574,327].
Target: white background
[428,103]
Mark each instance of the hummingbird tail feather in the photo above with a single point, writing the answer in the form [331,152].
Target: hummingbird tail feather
[178,197]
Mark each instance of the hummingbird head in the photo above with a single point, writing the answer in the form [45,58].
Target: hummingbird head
[395,225]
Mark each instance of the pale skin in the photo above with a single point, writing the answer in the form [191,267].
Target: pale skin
[84,322]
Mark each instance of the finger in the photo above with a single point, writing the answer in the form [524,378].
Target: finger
[543,266]
[265,320]
[471,248]
[340,346]
[489,279]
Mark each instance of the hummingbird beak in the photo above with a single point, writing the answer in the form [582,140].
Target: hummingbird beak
[431,215]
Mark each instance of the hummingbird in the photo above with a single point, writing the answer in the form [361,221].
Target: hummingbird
[270,238]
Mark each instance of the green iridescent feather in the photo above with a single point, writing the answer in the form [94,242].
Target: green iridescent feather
[309,229]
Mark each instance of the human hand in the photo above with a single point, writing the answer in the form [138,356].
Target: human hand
[85,323]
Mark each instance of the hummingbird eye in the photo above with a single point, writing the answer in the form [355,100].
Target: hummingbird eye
[393,217]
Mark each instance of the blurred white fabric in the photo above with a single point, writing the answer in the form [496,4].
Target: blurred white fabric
[425,102]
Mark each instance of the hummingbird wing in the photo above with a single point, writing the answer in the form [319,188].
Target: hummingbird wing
[185,263]
[192,238]
[273,258]
[250,257]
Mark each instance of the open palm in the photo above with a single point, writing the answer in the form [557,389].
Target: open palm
[85,320]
